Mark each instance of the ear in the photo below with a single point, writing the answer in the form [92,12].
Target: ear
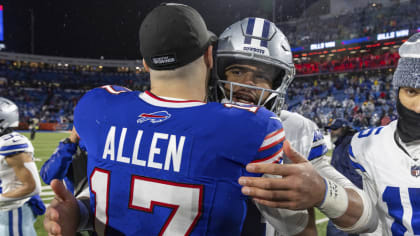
[146,67]
[208,57]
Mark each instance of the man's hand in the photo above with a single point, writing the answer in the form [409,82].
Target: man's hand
[74,137]
[62,216]
[299,187]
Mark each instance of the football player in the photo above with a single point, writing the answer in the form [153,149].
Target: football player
[18,175]
[388,157]
[254,63]
[164,161]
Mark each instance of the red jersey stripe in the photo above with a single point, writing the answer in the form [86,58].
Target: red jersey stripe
[271,145]
[273,134]
[274,156]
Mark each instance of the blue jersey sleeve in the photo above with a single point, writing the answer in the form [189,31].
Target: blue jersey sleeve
[57,165]
[271,149]
[318,148]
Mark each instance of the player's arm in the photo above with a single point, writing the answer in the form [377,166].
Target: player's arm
[285,221]
[318,159]
[359,214]
[57,165]
[301,187]
[66,214]
[368,220]
[26,172]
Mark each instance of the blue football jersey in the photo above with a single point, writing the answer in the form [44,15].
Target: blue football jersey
[170,167]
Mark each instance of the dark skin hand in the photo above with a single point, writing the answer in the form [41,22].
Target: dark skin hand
[300,187]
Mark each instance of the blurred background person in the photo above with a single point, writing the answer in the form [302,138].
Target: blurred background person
[33,127]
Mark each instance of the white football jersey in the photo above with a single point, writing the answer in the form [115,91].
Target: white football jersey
[303,135]
[390,177]
[306,138]
[11,144]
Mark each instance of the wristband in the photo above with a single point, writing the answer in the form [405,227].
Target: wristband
[368,221]
[335,201]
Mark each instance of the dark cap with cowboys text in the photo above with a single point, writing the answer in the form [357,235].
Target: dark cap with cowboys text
[173,35]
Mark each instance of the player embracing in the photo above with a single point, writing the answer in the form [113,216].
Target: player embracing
[254,63]
[388,157]
[164,161]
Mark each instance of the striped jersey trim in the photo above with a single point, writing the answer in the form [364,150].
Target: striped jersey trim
[272,139]
[13,147]
[317,151]
[351,152]
[160,102]
[357,165]
[111,89]
[275,158]
[353,163]
[15,222]
[318,143]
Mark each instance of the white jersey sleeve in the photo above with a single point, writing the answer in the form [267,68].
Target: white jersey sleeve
[306,138]
[285,222]
[11,144]
[304,135]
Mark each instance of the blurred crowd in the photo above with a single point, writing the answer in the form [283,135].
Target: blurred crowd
[360,22]
[355,87]
[364,98]
[350,63]
[49,95]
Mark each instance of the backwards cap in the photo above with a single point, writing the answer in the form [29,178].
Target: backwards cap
[173,35]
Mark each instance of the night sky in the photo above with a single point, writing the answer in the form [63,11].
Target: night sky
[95,28]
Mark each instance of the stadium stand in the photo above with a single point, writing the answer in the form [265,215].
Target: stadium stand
[49,91]
[349,63]
[354,85]
[363,98]
[360,22]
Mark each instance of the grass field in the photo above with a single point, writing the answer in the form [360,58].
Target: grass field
[45,144]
